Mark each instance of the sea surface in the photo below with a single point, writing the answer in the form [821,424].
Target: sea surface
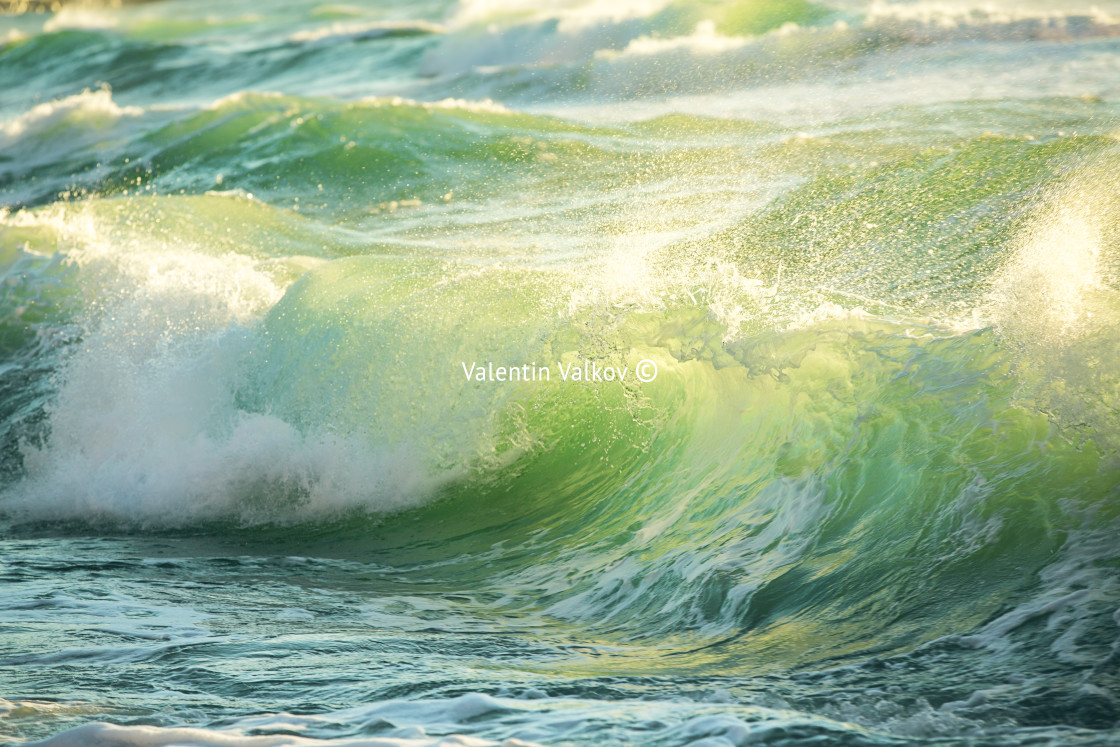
[855,479]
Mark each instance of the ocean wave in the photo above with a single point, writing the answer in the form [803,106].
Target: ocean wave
[154,736]
[198,305]
[358,31]
[665,51]
[705,40]
[765,465]
[937,22]
[572,14]
[79,18]
[88,108]
[577,50]
[429,722]
[86,128]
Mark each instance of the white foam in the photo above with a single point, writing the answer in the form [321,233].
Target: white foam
[571,14]
[241,97]
[884,47]
[145,427]
[79,18]
[13,709]
[1045,291]
[704,40]
[496,35]
[481,106]
[103,627]
[534,719]
[408,725]
[106,735]
[1056,300]
[631,279]
[354,31]
[926,22]
[486,106]
[87,107]
[1077,592]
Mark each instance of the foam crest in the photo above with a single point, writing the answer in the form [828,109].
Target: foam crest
[94,107]
[145,426]
[79,18]
[705,40]
[1057,301]
[571,14]
[928,22]
[154,736]
[355,31]
[491,36]
[1046,290]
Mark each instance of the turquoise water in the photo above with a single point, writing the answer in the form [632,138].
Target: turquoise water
[853,480]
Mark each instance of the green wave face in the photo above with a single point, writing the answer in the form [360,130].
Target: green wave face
[834,491]
[255,290]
